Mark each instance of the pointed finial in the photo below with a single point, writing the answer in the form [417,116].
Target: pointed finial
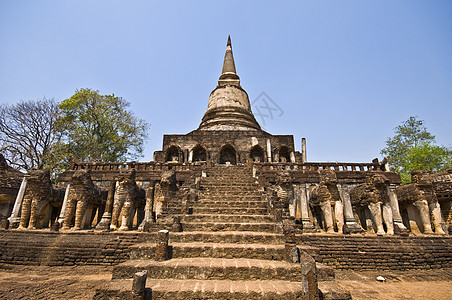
[228,74]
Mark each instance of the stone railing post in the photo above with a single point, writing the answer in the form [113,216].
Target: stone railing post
[162,249]
[105,222]
[350,226]
[269,151]
[304,206]
[14,219]
[64,205]
[148,209]
[139,285]
[399,227]
[309,277]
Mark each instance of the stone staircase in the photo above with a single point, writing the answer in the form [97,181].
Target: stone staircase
[230,248]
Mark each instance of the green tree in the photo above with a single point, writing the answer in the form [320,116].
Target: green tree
[413,148]
[99,128]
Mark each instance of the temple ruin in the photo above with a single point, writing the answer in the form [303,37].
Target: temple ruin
[229,203]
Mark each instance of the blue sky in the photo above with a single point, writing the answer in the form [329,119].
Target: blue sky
[344,73]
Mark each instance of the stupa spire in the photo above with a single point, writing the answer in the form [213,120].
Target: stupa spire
[228,74]
[229,107]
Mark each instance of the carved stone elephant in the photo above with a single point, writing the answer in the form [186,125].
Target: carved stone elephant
[83,197]
[373,194]
[128,197]
[38,201]
[326,197]
[421,195]
[164,192]
[285,195]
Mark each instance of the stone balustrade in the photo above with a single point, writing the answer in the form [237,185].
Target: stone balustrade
[315,166]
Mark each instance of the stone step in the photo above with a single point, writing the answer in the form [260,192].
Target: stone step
[229,226]
[175,289]
[230,178]
[222,183]
[217,269]
[242,237]
[218,197]
[235,193]
[236,218]
[214,250]
[219,289]
[227,183]
[231,203]
[229,210]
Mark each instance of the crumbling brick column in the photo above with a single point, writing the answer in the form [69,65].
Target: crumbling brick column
[309,277]
[139,285]
[162,249]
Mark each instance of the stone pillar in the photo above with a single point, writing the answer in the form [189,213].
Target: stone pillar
[139,285]
[339,215]
[303,150]
[148,208]
[305,220]
[309,277]
[399,227]
[14,219]
[292,157]
[350,226]
[162,249]
[388,218]
[190,156]
[105,222]
[63,207]
[269,151]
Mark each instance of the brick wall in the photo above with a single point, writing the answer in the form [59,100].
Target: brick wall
[382,252]
[73,248]
[41,247]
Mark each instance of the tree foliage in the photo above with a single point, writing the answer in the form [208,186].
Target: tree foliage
[28,132]
[100,128]
[413,148]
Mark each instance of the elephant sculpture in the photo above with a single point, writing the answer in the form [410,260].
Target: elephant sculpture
[285,195]
[373,195]
[164,191]
[38,201]
[326,196]
[128,198]
[83,197]
[421,195]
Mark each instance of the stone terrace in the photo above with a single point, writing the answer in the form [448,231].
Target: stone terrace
[230,248]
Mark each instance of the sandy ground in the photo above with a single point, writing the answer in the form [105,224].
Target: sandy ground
[42,282]
[416,284]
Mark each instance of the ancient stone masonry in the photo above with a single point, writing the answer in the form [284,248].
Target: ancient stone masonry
[164,191]
[129,200]
[371,200]
[10,182]
[326,197]
[41,201]
[83,202]
[418,199]
[442,183]
[232,209]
